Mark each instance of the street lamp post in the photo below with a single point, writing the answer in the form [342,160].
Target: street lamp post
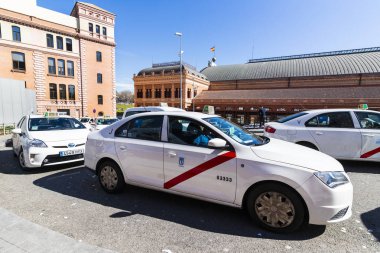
[180,65]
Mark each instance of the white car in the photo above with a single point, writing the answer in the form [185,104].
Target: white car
[141,109]
[281,184]
[48,140]
[351,134]
[101,123]
[87,122]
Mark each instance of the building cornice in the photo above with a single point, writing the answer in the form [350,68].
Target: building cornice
[104,42]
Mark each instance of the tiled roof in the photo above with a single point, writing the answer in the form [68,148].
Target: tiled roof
[299,93]
[158,68]
[357,61]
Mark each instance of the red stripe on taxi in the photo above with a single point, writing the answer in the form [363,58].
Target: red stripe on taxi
[370,153]
[200,168]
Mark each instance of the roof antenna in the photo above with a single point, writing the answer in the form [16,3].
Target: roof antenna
[253,48]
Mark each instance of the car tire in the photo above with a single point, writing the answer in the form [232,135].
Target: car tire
[21,161]
[307,144]
[276,207]
[110,177]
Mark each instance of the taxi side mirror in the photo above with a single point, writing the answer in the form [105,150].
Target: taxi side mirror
[217,143]
[17,131]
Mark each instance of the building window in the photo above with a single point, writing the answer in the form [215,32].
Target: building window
[157,93]
[0,30]
[70,68]
[50,40]
[71,92]
[168,93]
[188,93]
[176,93]
[51,63]
[139,93]
[100,99]
[53,91]
[195,92]
[97,29]
[18,61]
[61,67]
[59,42]
[90,27]
[16,33]
[62,91]
[99,78]
[148,93]
[98,56]
[104,31]
[69,45]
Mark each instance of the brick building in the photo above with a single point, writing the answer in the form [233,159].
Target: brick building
[161,84]
[285,85]
[69,60]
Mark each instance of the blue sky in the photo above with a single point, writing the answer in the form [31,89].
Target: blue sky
[237,28]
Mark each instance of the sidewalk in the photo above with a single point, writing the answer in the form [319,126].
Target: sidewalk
[20,235]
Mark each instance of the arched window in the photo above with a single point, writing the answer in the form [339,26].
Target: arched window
[104,31]
[90,27]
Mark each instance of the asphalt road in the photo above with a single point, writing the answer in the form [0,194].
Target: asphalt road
[69,200]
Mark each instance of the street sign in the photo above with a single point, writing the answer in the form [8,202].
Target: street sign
[94,110]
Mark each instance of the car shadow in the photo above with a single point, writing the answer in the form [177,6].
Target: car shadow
[193,213]
[9,165]
[372,222]
[361,166]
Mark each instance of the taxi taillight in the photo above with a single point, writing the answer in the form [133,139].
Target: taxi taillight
[270,129]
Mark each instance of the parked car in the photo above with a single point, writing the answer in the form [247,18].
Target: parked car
[87,122]
[341,133]
[281,184]
[101,123]
[136,110]
[48,140]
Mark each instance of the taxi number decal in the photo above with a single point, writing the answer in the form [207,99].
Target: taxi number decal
[200,168]
[227,179]
[370,153]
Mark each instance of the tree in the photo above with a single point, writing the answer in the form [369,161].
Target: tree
[125,96]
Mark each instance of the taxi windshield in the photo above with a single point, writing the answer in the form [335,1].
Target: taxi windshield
[236,132]
[49,124]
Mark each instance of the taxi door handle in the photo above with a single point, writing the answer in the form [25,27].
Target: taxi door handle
[318,133]
[123,147]
[172,154]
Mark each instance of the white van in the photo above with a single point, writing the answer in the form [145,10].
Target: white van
[135,110]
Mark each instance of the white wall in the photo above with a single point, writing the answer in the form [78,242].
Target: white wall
[29,7]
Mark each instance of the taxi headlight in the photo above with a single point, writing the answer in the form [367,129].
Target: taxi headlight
[37,143]
[332,178]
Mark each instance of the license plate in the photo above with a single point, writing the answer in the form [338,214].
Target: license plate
[71,152]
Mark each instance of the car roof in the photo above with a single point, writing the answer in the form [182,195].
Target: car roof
[154,108]
[195,115]
[338,110]
[36,116]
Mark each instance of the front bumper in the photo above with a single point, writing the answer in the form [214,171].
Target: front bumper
[327,205]
[39,157]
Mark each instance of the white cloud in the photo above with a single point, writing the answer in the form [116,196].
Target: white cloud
[124,86]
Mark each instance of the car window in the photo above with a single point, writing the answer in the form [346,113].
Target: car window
[237,133]
[332,119]
[290,117]
[132,113]
[20,122]
[105,121]
[189,132]
[49,124]
[368,120]
[143,128]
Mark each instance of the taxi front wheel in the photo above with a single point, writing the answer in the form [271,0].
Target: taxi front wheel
[110,177]
[276,207]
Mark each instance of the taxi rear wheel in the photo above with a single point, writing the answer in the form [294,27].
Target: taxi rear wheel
[110,177]
[276,207]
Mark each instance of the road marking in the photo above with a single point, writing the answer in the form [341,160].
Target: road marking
[370,153]
[200,168]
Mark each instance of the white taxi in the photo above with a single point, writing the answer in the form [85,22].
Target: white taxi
[351,134]
[281,184]
[48,140]
[101,123]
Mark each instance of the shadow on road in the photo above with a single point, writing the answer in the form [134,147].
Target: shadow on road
[9,165]
[81,183]
[371,220]
[361,167]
